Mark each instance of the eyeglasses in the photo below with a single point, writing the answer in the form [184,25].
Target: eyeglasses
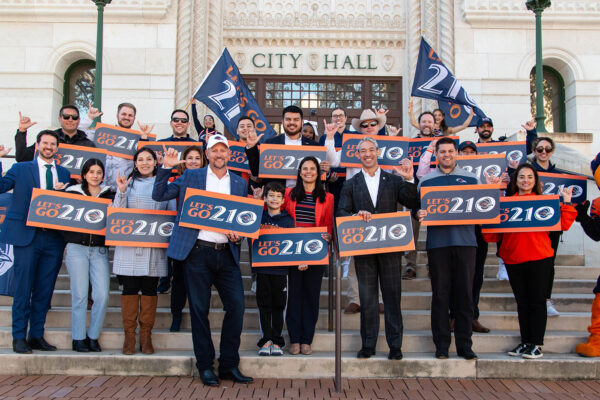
[542,149]
[367,124]
[337,116]
[69,116]
[177,120]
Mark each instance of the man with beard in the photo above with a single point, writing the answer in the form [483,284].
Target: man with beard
[38,252]
[485,130]
[292,127]
[180,122]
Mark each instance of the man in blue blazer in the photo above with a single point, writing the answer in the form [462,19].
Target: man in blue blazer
[210,258]
[38,251]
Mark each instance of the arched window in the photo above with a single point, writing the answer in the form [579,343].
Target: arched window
[80,80]
[554,99]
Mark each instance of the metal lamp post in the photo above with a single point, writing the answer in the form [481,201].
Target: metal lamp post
[100,4]
[538,7]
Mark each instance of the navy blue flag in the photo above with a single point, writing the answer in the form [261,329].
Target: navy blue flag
[224,91]
[7,285]
[434,81]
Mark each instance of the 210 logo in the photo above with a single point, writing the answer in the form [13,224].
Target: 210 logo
[370,234]
[392,153]
[551,188]
[513,214]
[490,170]
[138,228]
[92,216]
[244,218]
[454,205]
[284,248]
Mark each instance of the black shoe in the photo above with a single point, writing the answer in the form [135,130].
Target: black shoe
[80,346]
[93,345]
[467,354]
[395,354]
[235,375]
[441,354]
[40,344]
[208,377]
[175,323]
[365,352]
[20,346]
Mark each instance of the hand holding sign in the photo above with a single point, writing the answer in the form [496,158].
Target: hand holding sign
[145,129]
[302,267]
[421,214]
[365,215]
[122,182]
[326,236]
[4,150]
[25,123]
[233,237]
[171,157]
[93,113]
[566,193]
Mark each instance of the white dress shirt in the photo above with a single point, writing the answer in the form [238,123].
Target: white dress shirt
[42,169]
[223,186]
[372,184]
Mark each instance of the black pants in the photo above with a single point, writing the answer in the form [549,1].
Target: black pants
[554,240]
[271,297]
[178,291]
[452,269]
[304,290]
[373,272]
[529,282]
[134,284]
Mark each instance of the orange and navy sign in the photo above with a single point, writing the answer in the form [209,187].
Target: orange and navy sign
[552,182]
[67,212]
[482,164]
[135,227]
[159,149]
[385,233]
[285,247]
[73,157]
[418,146]
[392,149]
[237,157]
[221,213]
[460,205]
[281,161]
[514,151]
[117,141]
[527,214]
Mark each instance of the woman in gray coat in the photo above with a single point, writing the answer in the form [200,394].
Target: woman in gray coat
[139,268]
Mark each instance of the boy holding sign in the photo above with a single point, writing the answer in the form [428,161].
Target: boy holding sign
[271,282]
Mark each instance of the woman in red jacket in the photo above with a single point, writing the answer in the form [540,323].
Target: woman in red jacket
[528,257]
[310,206]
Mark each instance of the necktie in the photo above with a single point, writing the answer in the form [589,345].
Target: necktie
[49,183]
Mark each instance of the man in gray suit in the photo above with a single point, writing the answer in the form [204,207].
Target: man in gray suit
[374,191]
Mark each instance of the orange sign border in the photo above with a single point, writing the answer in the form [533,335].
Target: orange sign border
[270,231]
[268,146]
[377,138]
[114,210]
[240,144]
[555,227]
[118,128]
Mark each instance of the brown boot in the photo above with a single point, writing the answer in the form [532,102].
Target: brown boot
[592,347]
[130,305]
[147,317]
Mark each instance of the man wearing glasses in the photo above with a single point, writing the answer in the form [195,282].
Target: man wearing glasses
[180,122]
[68,117]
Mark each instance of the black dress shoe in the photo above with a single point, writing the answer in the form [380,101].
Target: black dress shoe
[395,354]
[93,345]
[175,324]
[80,346]
[365,352]
[235,375]
[208,377]
[467,354]
[40,344]
[20,346]
[441,354]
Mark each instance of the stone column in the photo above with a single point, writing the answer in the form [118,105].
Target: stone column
[184,68]
[446,33]
[429,24]
[413,42]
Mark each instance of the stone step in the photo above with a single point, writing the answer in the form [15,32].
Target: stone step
[578,302]
[413,341]
[60,317]
[317,365]
[561,272]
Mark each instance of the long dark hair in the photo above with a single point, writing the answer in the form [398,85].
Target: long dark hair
[135,173]
[298,194]
[85,169]
[181,167]
[513,188]
[443,126]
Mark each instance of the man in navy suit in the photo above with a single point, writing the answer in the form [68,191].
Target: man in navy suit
[38,251]
[210,258]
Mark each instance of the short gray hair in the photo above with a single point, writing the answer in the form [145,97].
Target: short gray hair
[370,140]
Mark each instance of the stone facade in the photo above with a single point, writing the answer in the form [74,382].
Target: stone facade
[157,52]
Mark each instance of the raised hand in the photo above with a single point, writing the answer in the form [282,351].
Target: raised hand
[393,131]
[145,129]
[405,169]
[25,123]
[4,150]
[566,193]
[529,125]
[410,105]
[514,164]
[381,111]
[60,185]
[257,192]
[333,177]
[122,182]
[252,140]
[492,179]
[330,129]
[93,113]
[171,157]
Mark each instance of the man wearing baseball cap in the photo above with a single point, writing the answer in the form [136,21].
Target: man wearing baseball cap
[211,258]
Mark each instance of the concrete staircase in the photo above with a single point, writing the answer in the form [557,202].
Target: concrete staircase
[572,297]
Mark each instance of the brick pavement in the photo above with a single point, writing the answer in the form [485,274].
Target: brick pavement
[131,388]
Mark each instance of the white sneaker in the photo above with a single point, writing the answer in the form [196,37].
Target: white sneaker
[276,350]
[502,275]
[266,349]
[550,310]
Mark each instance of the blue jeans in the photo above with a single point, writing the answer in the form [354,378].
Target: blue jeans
[87,264]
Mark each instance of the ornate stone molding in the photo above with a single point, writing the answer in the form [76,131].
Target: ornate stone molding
[78,9]
[355,41]
[215,31]
[512,13]
[185,13]
[414,41]
[200,30]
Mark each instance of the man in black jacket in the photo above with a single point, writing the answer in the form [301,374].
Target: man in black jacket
[68,117]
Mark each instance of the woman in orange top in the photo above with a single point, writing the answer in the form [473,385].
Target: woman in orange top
[310,206]
[529,257]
